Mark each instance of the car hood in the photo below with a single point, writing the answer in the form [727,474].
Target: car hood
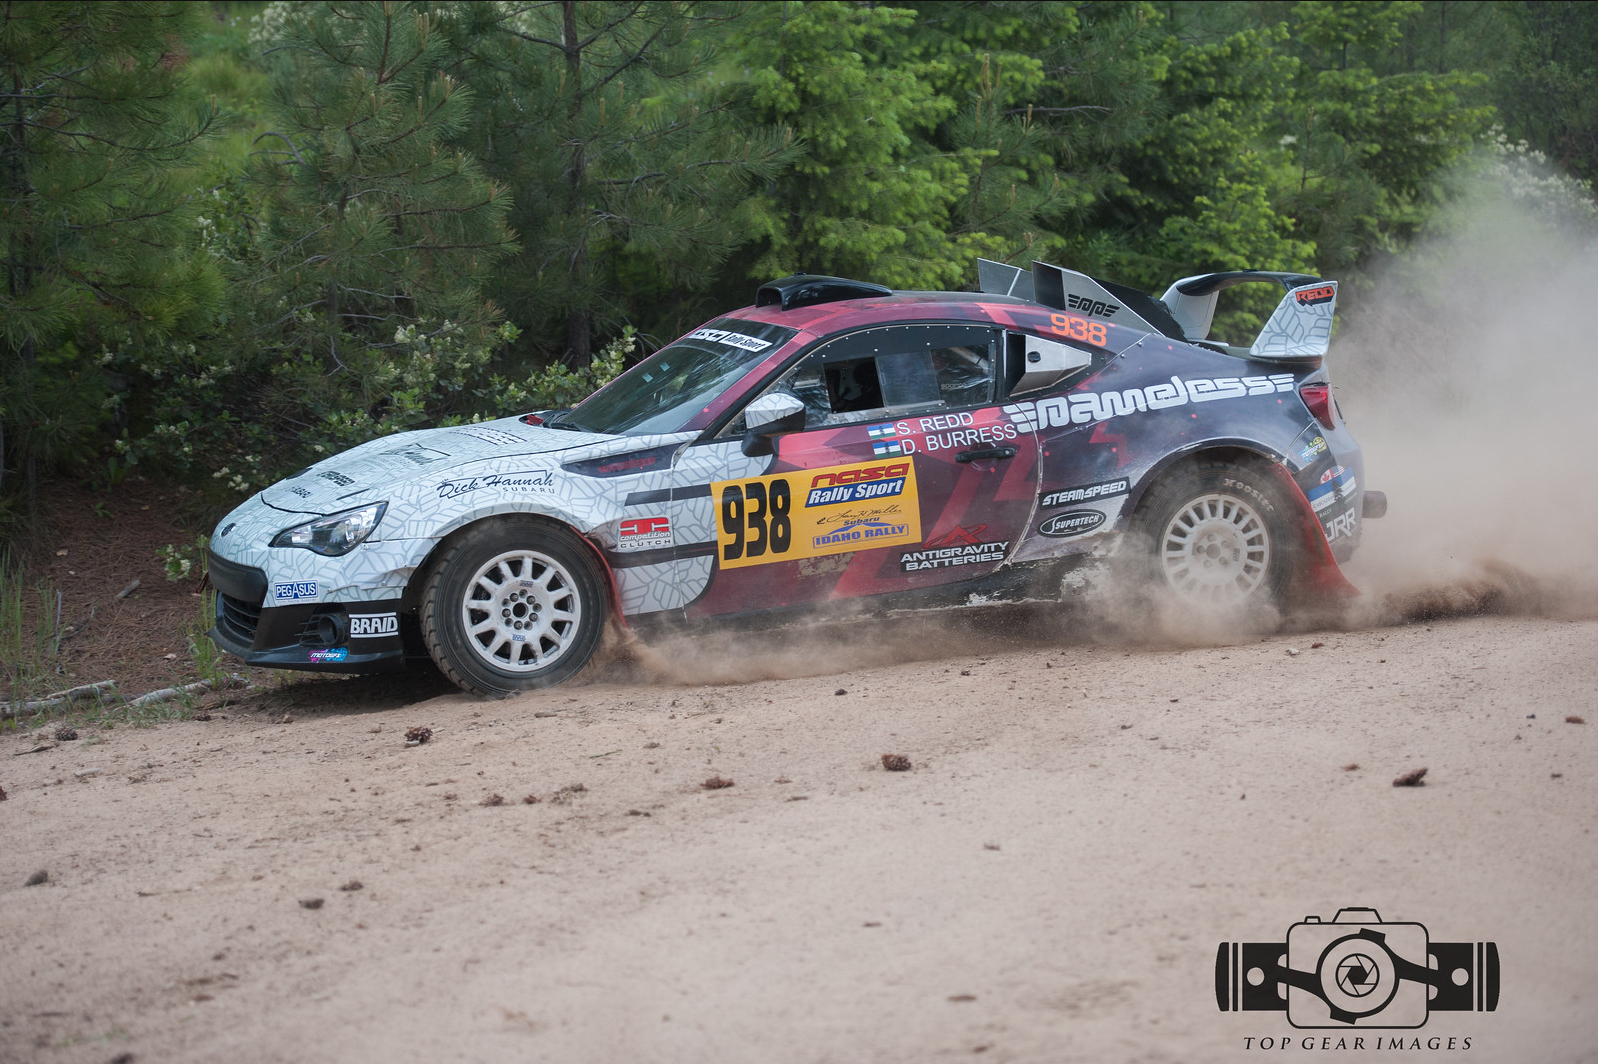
[366,473]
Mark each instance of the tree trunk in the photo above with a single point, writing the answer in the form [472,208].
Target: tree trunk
[579,323]
[15,286]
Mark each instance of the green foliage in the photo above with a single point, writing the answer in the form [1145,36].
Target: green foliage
[27,634]
[557,386]
[1370,148]
[933,135]
[373,220]
[1547,91]
[629,162]
[206,655]
[241,242]
[99,125]
[183,561]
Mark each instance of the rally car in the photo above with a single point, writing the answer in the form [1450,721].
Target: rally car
[836,441]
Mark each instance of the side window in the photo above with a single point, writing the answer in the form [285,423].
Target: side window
[897,369]
[1032,362]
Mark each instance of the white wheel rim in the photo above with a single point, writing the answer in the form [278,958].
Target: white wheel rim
[521,611]
[1216,550]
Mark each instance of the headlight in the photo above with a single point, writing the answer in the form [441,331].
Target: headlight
[334,534]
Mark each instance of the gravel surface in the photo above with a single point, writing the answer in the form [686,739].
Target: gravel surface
[1083,825]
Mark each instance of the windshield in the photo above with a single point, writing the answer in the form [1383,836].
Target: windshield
[667,390]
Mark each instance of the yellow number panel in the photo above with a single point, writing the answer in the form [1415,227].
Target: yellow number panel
[810,512]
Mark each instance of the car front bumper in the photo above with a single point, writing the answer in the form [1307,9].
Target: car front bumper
[357,637]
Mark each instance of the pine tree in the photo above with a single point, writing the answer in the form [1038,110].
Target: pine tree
[630,165]
[96,124]
[378,231]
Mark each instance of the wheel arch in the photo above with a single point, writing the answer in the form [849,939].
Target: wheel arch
[411,598]
[1320,575]
[1231,450]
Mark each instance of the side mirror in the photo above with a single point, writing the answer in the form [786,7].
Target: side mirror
[768,416]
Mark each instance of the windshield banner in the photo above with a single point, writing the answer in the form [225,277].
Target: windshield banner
[806,513]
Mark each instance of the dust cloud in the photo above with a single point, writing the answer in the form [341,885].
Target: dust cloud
[1468,372]
[833,644]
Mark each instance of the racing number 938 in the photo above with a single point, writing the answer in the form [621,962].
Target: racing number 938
[754,519]
[1076,328]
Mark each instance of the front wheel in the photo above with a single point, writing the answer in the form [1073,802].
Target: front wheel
[1216,533]
[512,605]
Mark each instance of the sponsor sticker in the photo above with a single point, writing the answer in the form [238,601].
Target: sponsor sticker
[294,591]
[1310,297]
[301,492]
[1342,525]
[1082,408]
[338,478]
[812,512]
[1071,523]
[372,625]
[1312,448]
[1330,492]
[959,547]
[1105,489]
[877,482]
[541,481]
[858,534]
[644,533]
[336,654]
[1089,305]
[731,339]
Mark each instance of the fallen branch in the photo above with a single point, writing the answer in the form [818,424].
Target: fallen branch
[168,693]
[88,690]
[108,687]
[67,697]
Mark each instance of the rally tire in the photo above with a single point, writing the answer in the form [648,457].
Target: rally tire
[512,605]
[1216,533]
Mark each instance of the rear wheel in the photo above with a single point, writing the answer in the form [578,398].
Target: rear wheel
[1216,533]
[512,605]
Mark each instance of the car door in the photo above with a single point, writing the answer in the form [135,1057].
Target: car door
[906,475]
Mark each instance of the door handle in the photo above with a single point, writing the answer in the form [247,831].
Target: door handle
[985,452]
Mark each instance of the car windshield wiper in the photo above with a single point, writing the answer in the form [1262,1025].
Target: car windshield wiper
[559,421]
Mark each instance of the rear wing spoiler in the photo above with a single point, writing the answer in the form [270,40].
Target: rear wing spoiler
[1300,329]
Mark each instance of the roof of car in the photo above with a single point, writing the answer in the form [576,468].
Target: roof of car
[912,304]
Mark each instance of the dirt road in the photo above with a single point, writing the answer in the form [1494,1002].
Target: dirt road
[1083,825]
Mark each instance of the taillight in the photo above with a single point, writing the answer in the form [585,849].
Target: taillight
[1318,397]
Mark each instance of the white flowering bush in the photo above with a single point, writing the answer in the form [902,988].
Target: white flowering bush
[1531,181]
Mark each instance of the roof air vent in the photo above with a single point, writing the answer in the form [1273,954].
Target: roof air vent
[807,290]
